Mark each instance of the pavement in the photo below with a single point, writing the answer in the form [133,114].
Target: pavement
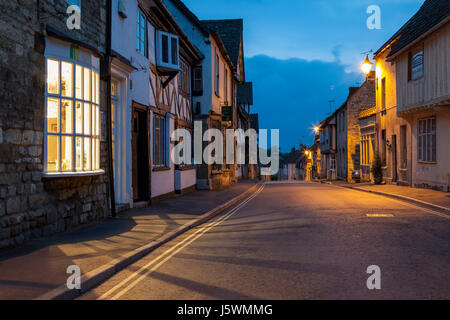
[297,241]
[39,267]
[431,198]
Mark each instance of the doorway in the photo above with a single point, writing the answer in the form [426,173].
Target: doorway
[394,159]
[140,155]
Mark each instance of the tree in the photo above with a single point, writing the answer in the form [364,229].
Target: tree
[377,169]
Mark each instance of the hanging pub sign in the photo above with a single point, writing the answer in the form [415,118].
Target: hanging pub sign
[227,113]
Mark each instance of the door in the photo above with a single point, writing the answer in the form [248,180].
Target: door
[140,156]
[394,159]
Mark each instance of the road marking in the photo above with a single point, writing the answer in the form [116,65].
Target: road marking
[403,202]
[379,215]
[170,253]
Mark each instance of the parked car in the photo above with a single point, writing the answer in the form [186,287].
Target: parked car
[356,175]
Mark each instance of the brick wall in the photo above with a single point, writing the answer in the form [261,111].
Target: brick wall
[363,98]
[31,206]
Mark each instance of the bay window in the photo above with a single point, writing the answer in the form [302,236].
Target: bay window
[72,130]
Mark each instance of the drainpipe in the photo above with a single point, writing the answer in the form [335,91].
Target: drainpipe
[108,108]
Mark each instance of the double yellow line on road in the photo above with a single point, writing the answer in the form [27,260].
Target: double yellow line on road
[126,285]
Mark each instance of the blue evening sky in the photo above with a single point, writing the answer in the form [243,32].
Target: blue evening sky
[301,54]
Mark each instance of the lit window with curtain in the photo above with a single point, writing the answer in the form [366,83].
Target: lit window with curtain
[72,122]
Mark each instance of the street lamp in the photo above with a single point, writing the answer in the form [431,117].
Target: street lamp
[316,129]
[366,66]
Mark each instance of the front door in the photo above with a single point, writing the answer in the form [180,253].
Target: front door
[394,159]
[140,156]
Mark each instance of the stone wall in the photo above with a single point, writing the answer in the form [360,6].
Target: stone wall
[363,98]
[31,206]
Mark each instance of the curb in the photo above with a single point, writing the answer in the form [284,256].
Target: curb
[397,197]
[99,275]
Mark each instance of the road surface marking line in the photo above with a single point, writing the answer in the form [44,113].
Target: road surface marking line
[202,230]
[379,215]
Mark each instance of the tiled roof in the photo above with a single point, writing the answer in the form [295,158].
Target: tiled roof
[230,31]
[245,93]
[432,13]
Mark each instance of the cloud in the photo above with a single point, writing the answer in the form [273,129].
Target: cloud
[292,95]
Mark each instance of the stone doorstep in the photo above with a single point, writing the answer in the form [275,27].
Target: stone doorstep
[96,277]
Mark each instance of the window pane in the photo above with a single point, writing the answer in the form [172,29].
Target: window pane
[79,117]
[87,119]
[79,153]
[52,153]
[94,129]
[87,154]
[79,82]
[94,89]
[87,84]
[66,153]
[53,76]
[165,48]
[97,86]
[66,116]
[97,117]
[53,115]
[174,51]
[97,145]
[66,79]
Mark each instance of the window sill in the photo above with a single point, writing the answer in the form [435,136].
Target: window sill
[160,169]
[72,174]
[427,162]
[185,168]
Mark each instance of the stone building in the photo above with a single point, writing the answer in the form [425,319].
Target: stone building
[53,150]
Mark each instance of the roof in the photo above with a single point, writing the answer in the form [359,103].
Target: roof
[430,15]
[245,93]
[191,16]
[230,31]
[294,156]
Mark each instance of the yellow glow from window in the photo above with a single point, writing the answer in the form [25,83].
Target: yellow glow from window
[53,76]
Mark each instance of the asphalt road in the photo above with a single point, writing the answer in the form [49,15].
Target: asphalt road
[298,241]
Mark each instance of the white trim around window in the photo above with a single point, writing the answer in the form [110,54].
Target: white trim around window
[72,117]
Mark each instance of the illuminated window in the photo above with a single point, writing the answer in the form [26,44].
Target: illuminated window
[72,139]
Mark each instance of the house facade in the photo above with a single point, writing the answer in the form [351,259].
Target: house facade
[420,85]
[221,70]
[328,145]
[152,67]
[54,164]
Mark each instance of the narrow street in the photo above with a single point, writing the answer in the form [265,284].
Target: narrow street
[298,241]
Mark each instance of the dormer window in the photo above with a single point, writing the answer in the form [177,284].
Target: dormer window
[167,51]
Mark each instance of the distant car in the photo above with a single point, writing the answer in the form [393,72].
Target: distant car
[356,175]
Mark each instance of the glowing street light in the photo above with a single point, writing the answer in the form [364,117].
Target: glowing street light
[366,65]
[316,129]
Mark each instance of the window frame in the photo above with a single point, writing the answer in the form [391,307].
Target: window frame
[94,136]
[413,76]
[170,58]
[143,51]
[217,71]
[197,91]
[160,159]
[426,145]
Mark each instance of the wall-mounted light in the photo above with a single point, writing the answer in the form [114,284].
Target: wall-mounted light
[366,66]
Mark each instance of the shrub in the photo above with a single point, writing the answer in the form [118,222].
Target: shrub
[377,169]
